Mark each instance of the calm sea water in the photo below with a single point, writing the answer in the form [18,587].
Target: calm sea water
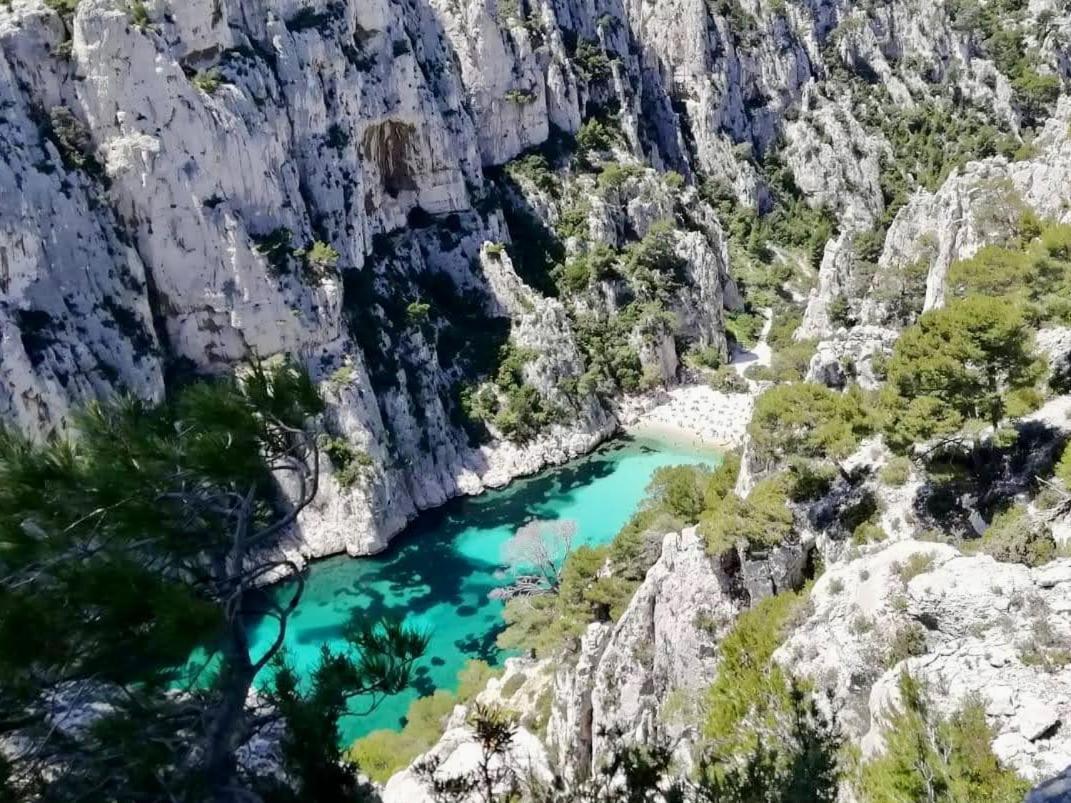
[437,574]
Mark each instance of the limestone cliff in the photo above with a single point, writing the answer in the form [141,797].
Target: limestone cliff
[187,185]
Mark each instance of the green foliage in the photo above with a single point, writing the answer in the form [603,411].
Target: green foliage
[722,480]
[277,248]
[591,62]
[139,14]
[1014,538]
[744,328]
[896,472]
[918,563]
[73,141]
[534,169]
[208,81]
[1036,92]
[612,363]
[652,265]
[807,420]
[751,692]
[678,491]
[928,141]
[810,479]
[522,97]
[709,357]
[418,312]
[377,660]
[790,362]
[615,175]
[958,363]
[908,640]
[582,270]
[64,8]
[903,291]
[792,223]
[321,256]
[382,753]
[761,521]
[945,760]
[1036,275]
[351,465]
[586,592]
[125,550]
[1062,472]
[514,408]
[727,380]
[595,136]
[473,677]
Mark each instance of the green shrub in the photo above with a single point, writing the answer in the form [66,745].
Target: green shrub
[867,532]
[896,472]
[762,521]
[534,168]
[473,677]
[382,753]
[580,271]
[586,592]
[810,479]
[710,357]
[73,141]
[790,363]
[1062,472]
[208,81]
[944,760]
[351,465]
[751,690]
[727,380]
[322,255]
[908,641]
[595,136]
[678,491]
[722,479]
[277,248]
[1014,538]
[614,175]
[807,420]
[522,97]
[591,62]
[65,8]
[918,563]
[744,328]
[957,363]
[760,373]
[139,14]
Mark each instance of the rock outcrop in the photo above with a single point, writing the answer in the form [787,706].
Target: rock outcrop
[646,675]
[964,626]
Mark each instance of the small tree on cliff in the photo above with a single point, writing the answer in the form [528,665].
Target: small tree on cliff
[122,552]
[971,360]
[536,554]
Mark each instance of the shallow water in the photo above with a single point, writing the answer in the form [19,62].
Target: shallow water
[437,573]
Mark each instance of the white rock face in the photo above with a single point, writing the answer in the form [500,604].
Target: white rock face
[460,755]
[647,675]
[980,205]
[985,627]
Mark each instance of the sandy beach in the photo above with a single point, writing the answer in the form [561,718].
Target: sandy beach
[699,416]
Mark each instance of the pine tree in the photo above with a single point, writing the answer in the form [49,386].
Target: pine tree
[122,551]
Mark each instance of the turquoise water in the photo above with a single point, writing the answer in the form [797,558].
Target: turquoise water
[437,574]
